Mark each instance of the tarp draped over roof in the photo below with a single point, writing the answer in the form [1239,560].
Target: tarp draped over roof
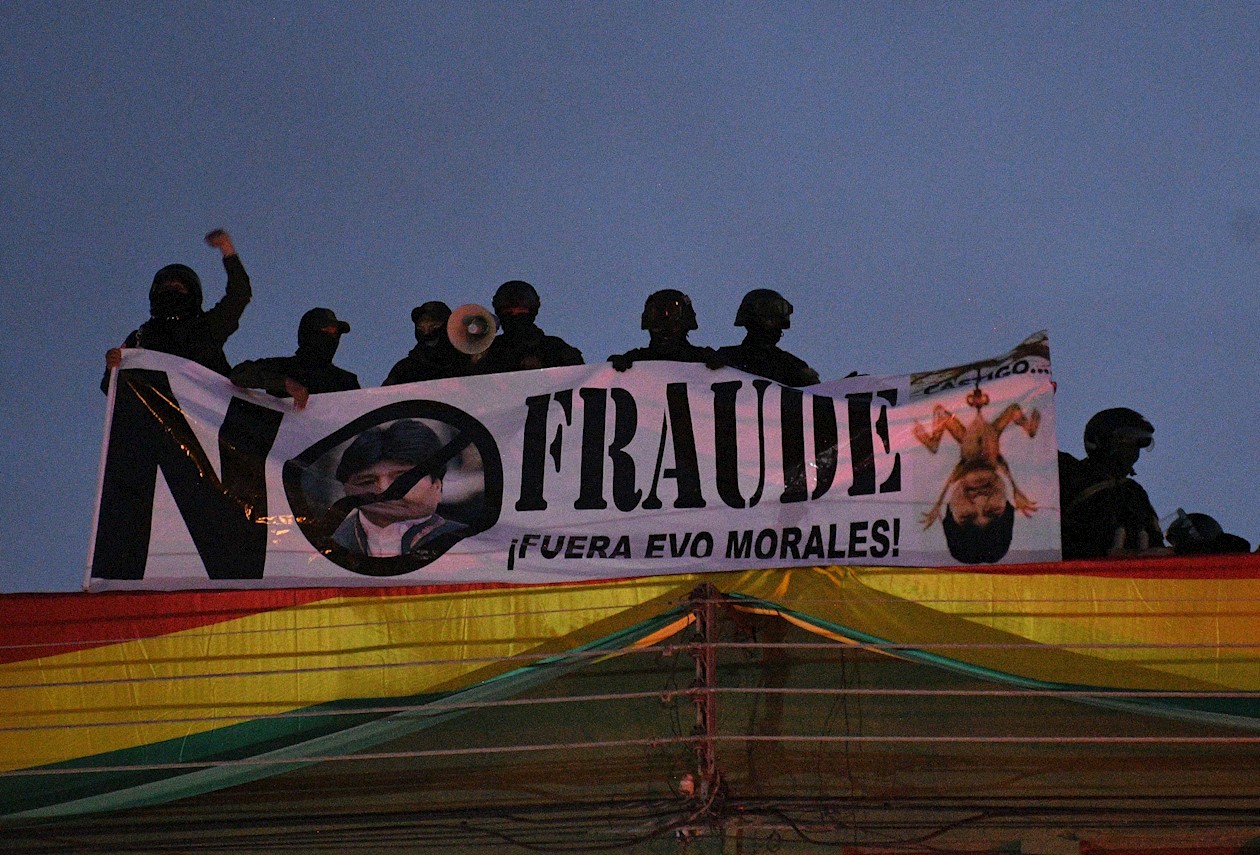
[1050,681]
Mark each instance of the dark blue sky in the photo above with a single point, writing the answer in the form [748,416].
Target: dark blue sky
[927,182]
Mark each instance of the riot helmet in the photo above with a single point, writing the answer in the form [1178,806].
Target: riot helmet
[1200,534]
[1116,437]
[764,307]
[515,298]
[1117,426]
[669,309]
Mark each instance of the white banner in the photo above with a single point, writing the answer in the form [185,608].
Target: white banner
[571,474]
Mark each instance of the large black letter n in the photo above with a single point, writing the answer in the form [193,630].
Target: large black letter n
[225,517]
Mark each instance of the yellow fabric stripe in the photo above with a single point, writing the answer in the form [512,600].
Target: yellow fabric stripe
[124,695]
[129,694]
[1140,633]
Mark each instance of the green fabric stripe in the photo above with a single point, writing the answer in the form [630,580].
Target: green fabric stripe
[1229,712]
[289,741]
[280,739]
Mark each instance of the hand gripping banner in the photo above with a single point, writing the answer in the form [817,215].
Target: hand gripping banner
[571,474]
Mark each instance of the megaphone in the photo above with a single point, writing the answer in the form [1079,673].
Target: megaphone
[471,328]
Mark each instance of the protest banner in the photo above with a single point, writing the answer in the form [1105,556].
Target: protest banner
[571,474]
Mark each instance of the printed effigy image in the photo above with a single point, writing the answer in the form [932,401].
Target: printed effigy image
[384,496]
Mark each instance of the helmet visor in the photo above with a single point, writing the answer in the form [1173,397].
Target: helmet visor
[1133,437]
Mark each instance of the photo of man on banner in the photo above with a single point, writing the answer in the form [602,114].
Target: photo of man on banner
[979,518]
[395,473]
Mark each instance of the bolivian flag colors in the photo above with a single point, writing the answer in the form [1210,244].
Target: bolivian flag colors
[124,700]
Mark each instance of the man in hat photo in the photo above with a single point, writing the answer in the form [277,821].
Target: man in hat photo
[394,476]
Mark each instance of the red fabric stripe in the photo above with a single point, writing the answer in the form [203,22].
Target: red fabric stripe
[1242,566]
[35,625]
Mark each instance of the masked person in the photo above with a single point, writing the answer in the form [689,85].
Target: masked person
[1104,511]
[178,325]
[765,314]
[433,357]
[668,317]
[522,345]
[309,371]
[396,474]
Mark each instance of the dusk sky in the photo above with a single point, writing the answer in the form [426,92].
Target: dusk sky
[928,183]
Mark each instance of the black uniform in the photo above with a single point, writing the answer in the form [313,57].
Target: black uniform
[523,346]
[428,360]
[316,374]
[668,317]
[1095,503]
[312,365]
[433,357]
[766,313]
[769,361]
[182,328]
[671,349]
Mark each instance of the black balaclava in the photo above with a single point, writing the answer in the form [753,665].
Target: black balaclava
[432,310]
[314,344]
[516,305]
[170,303]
